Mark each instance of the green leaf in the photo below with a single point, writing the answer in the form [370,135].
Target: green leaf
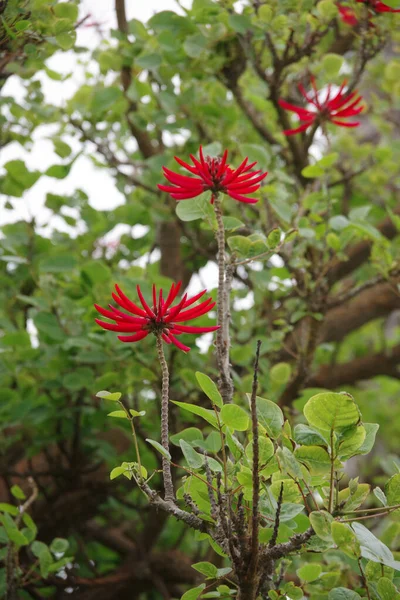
[58,264]
[149,60]
[160,448]
[97,271]
[232,223]
[66,39]
[314,457]
[113,396]
[118,414]
[14,535]
[387,590]
[265,450]
[305,435]
[345,539]
[371,430]
[195,208]
[280,372]
[273,239]
[330,411]
[270,416]
[354,496]
[191,434]
[309,572]
[378,493]
[194,593]
[9,508]
[17,492]
[105,98]
[255,152]
[194,45]
[239,23]
[66,10]
[392,491]
[59,546]
[42,552]
[193,458]
[116,472]
[343,594]
[372,548]
[206,414]
[392,3]
[235,417]
[214,149]
[207,569]
[354,439]
[240,244]
[209,388]
[331,64]
[321,523]
[312,171]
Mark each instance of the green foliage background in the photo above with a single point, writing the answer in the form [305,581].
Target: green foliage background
[153,90]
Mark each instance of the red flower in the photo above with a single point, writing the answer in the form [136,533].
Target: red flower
[379,6]
[161,319]
[214,175]
[334,108]
[347,15]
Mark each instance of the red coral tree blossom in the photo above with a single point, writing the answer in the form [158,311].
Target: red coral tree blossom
[214,175]
[160,319]
[348,15]
[379,6]
[334,108]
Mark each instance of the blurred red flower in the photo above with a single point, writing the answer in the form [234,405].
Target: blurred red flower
[214,175]
[334,108]
[160,319]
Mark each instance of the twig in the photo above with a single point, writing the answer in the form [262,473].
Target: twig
[256,460]
[222,338]
[167,476]
[274,537]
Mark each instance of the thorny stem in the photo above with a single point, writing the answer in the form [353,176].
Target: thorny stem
[223,312]
[331,485]
[221,433]
[256,475]
[167,476]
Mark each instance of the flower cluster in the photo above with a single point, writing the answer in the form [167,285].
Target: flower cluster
[162,318]
[214,175]
[348,15]
[335,108]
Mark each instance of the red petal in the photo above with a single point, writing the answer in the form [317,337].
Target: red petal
[175,309]
[118,315]
[186,195]
[222,164]
[128,304]
[297,109]
[250,182]
[144,303]
[182,180]
[186,166]
[119,326]
[193,300]
[173,292]
[133,338]
[195,312]
[190,329]
[178,344]
[241,198]
[298,129]
[343,124]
